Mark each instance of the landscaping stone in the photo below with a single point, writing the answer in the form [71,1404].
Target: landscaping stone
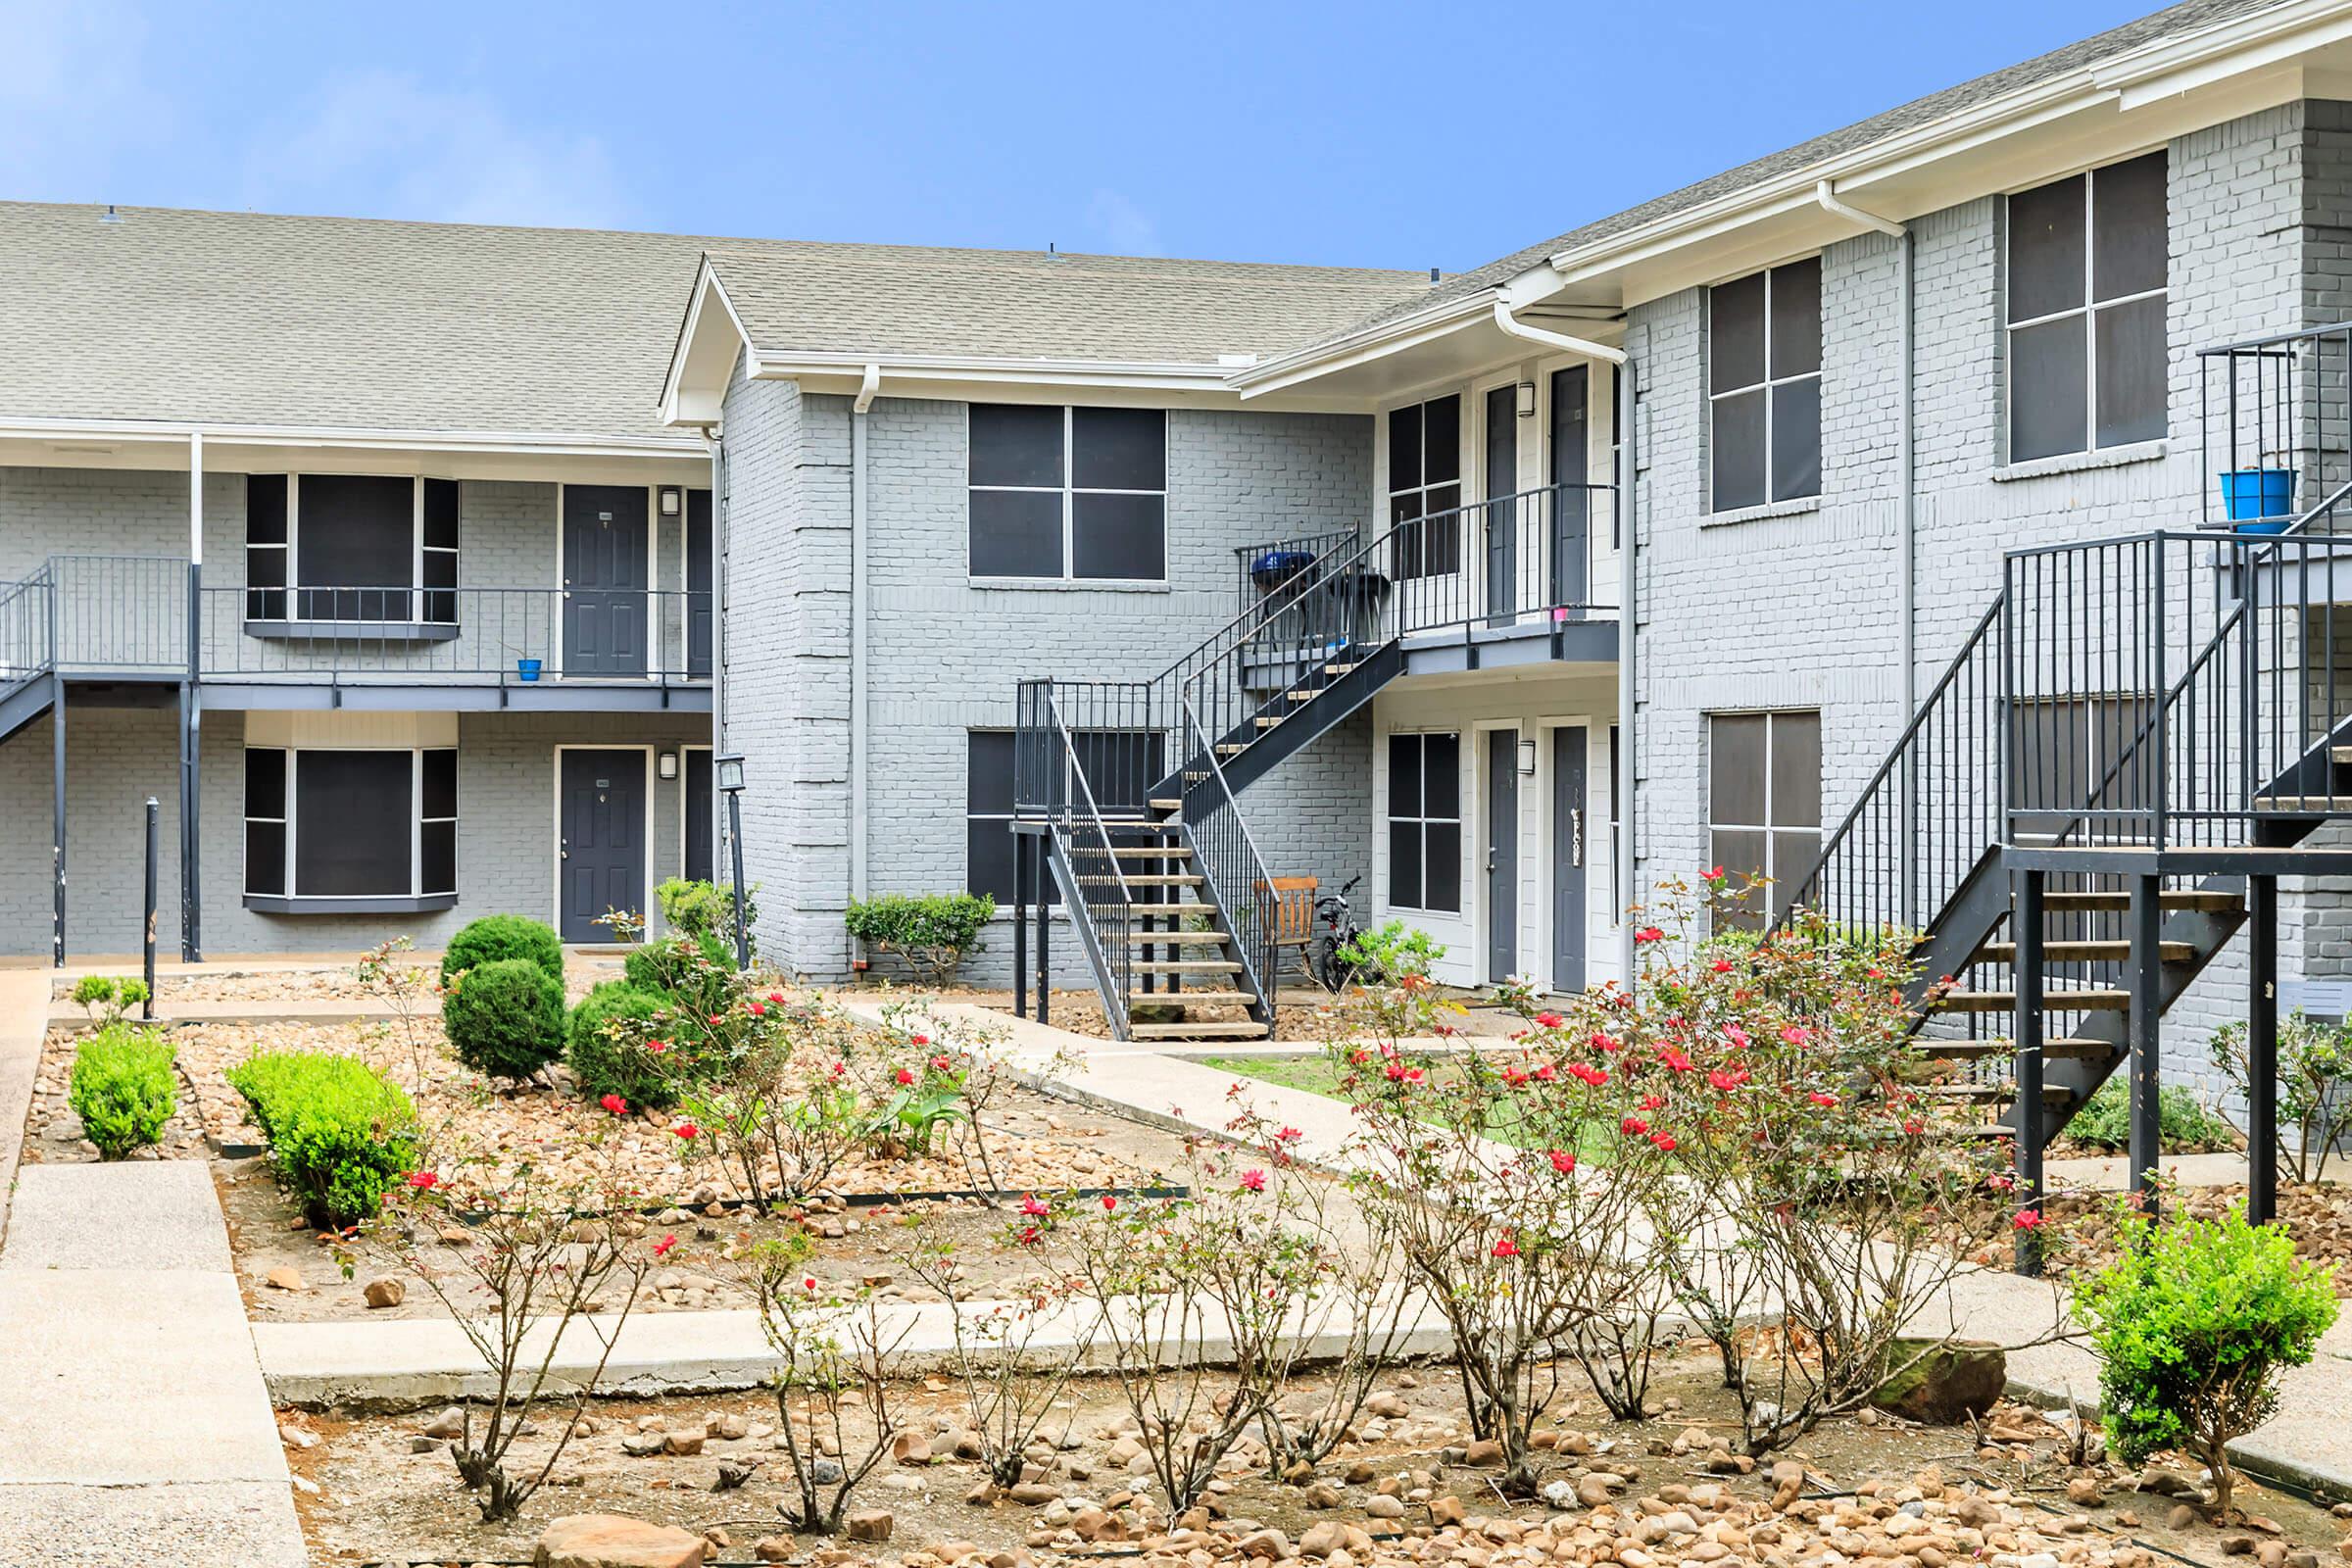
[869,1524]
[612,1541]
[1944,1385]
[390,1290]
[450,1423]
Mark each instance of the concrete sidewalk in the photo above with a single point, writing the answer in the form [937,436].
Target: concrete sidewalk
[139,1429]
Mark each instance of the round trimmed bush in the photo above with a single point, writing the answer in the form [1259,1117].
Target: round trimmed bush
[495,938]
[699,973]
[504,1019]
[610,1060]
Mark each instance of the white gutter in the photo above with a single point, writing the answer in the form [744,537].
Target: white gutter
[1512,327]
[1825,193]
[861,532]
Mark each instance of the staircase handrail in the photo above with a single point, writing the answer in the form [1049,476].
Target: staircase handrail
[1255,946]
[20,621]
[1104,935]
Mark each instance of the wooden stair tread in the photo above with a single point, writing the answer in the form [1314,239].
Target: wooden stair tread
[2303,803]
[1336,670]
[1177,939]
[1153,851]
[1238,1029]
[1990,1092]
[1189,966]
[2339,753]
[2054,952]
[2065,1048]
[1150,880]
[1226,749]
[1165,806]
[2211,903]
[1169,910]
[1269,720]
[2055,1000]
[1162,998]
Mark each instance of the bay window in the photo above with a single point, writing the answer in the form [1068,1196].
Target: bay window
[351,547]
[376,825]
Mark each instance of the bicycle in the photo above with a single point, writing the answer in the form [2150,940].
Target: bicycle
[1338,930]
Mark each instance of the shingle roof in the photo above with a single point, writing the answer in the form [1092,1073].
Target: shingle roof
[2168,23]
[248,319]
[1028,304]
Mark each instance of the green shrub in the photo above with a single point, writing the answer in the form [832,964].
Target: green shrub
[106,999]
[124,1089]
[609,1051]
[697,972]
[2185,1126]
[495,938]
[706,909]
[931,933]
[504,1019]
[2193,1323]
[340,1133]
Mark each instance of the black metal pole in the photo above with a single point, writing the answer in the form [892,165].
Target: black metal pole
[2025,964]
[743,937]
[1045,925]
[147,1008]
[1021,925]
[2262,1049]
[191,778]
[2147,919]
[57,818]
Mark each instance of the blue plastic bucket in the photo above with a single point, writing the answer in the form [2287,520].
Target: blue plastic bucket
[527,668]
[2258,497]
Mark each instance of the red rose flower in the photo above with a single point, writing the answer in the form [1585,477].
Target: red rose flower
[687,1130]
[662,1248]
[425,1181]
[615,1105]
[1253,1181]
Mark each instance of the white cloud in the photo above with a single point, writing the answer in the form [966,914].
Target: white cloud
[386,144]
[1126,229]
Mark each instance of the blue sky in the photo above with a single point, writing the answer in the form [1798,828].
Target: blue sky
[1373,133]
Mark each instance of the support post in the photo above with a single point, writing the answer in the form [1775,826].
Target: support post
[2147,919]
[2262,1049]
[1044,927]
[56,812]
[1021,925]
[743,937]
[2026,977]
[191,724]
[154,833]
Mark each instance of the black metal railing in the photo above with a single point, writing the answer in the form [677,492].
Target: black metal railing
[1275,568]
[121,615]
[28,642]
[471,634]
[1227,856]
[2275,416]
[1083,851]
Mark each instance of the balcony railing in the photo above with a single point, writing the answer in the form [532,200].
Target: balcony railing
[2275,416]
[470,634]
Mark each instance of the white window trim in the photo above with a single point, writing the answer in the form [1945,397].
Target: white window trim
[292,553]
[1467,454]
[1070,490]
[291,823]
[1390,817]
[1768,385]
[2088,311]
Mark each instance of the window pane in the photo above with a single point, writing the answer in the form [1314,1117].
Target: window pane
[1404,775]
[2129,239]
[266,859]
[1735,334]
[358,532]
[1442,540]
[987,862]
[1118,536]
[2047,367]
[1120,449]
[1736,769]
[266,567]
[437,857]
[2045,249]
[440,783]
[1015,444]
[1405,448]
[1016,533]
[988,771]
[1444,870]
[265,783]
[1441,775]
[2132,371]
[265,508]
[1737,451]
[351,822]
[1796,317]
[1739,852]
[1792,858]
[1405,864]
[439,568]
[1796,770]
[441,514]
[1441,443]
[1797,439]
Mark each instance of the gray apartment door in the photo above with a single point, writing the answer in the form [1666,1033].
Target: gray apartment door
[599,858]
[1569,840]
[1503,854]
[1572,504]
[702,600]
[1502,514]
[605,579]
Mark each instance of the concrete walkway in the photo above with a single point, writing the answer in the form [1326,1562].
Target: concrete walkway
[138,1427]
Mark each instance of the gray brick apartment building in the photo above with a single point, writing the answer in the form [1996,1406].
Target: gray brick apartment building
[1506,593]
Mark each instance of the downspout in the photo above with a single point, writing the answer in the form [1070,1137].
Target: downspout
[715,439]
[1906,505]
[867,387]
[1512,327]
[1629,468]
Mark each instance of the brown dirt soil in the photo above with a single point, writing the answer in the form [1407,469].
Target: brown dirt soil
[377,1499]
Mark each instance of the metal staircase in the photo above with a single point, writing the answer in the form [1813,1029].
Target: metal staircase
[1135,785]
[27,651]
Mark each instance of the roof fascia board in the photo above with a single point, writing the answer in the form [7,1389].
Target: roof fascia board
[274,435]
[798,365]
[678,406]
[2279,32]
[1391,337]
[2172,66]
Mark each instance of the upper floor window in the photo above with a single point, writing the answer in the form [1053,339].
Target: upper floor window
[2087,311]
[350,547]
[1764,386]
[1071,493]
[1425,480]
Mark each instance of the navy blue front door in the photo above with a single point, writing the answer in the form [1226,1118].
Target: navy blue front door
[601,855]
[605,579]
